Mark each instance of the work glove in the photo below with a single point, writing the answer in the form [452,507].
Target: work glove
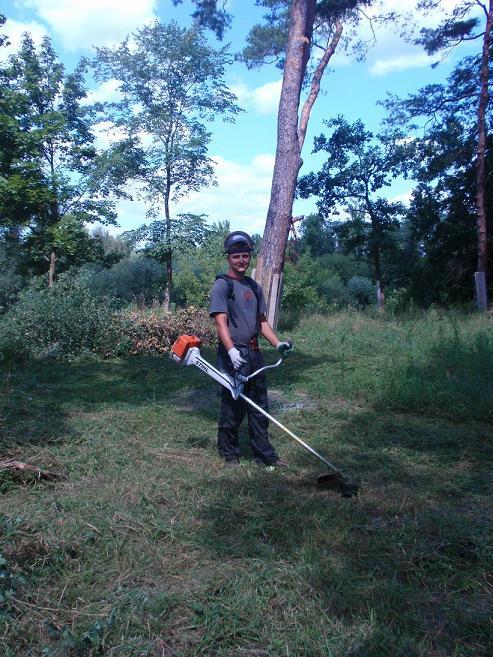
[236,358]
[284,348]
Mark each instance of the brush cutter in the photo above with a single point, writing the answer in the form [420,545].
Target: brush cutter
[186,351]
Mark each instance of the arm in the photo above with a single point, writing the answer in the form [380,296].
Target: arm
[222,329]
[267,331]
[223,333]
[283,347]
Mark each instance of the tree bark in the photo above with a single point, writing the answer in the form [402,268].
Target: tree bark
[169,251]
[270,262]
[51,269]
[482,296]
[290,139]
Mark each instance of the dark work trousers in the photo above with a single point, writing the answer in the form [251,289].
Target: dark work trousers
[233,412]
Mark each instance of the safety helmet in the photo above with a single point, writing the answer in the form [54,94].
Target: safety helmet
[238,242]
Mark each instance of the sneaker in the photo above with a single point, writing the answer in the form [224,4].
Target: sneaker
[234,463]
[270,467]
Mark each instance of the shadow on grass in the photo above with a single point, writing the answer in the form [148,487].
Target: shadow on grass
[38,397]
[410,566]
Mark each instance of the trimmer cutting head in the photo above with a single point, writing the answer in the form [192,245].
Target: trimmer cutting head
[336,481]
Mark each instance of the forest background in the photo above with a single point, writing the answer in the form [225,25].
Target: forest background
[388,198]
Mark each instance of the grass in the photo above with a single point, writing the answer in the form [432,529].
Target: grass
[149,547]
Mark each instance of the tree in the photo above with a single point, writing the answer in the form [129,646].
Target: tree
[458,27]
[317,235]
[171,82]
[53,180]
[294,29]
[358,166]
[162,240]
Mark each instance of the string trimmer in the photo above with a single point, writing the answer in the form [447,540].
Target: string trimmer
[186,351]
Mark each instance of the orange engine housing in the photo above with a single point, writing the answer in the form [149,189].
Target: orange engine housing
[183,344]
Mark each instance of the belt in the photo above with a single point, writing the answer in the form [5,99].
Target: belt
[253,344]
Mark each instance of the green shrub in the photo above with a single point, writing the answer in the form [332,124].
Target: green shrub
[66,320]
[361,291]
[136,279]
[333,291]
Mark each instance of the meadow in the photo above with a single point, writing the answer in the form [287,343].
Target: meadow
[146,545]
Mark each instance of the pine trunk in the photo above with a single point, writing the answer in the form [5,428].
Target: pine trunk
[52,267]
[481,274]
[270,262]
[169,252]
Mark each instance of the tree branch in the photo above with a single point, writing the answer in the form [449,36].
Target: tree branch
[315,86]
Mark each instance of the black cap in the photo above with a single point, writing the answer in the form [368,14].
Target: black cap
[238,242]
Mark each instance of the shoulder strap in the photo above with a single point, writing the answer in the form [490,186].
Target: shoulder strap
[230,296]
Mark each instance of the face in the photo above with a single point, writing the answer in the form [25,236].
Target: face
[239,262]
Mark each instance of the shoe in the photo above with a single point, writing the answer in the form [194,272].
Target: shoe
[270,467]
[234,463]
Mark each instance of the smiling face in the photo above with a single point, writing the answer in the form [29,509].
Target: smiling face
[239,263]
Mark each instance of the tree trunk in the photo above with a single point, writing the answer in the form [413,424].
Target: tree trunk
[481,275]
[270,262]
[51,270]
[378,279]
[169,251]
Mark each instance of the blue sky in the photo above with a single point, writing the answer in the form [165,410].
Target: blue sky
[243,151]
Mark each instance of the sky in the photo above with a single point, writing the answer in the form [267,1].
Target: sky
[243,151]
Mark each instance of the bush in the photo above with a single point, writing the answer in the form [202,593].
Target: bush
[137,279]
[66,320]
[361,291]
[298,294]
[334,292]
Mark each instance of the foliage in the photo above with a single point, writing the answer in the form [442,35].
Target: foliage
[361,291]
[441,222]
[196,268]
[171,83]
[11,282]
[136,279]
[66,320]
[52,180]
[358,166]
[317,235]
[298,293]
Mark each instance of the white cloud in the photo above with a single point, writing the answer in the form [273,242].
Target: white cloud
[264,99]
[401,63]
[404,197]
[108,91]
[241,195]
[81,25]
[14,31]
[392,52]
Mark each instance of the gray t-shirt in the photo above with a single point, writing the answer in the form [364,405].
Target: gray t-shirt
[244,306]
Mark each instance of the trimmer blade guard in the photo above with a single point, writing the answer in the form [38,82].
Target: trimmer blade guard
[337,482]
[182,345]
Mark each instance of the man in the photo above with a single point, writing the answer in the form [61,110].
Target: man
[238,308]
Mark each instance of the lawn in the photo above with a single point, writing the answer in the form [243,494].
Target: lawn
[146,545]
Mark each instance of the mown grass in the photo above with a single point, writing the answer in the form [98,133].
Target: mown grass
[149,547]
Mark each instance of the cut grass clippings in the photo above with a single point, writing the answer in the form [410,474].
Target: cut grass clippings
[148,546]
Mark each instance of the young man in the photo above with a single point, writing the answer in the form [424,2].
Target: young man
[238,308]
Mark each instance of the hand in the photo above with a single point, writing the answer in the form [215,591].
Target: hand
[284,348]
[236,358]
